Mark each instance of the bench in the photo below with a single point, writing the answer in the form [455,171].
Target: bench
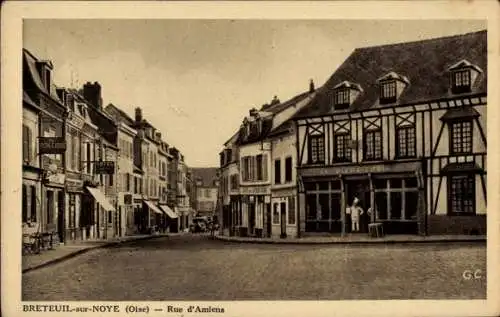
[376,230]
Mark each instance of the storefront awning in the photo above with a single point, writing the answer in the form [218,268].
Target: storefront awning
[153,207]
[100,198]
[168,211]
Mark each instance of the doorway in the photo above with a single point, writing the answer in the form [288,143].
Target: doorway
[360,189]
[269,220]
[283,219]
[251,222]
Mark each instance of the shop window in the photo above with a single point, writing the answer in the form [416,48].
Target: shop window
[310,186]
[316,151]
[380,183]
[291,210]
[323,185]
[288,169]
[411,182]
[411,205]
[276,214]
[405,145]
[336,203]
[396,205]
[311,207]
[461,137]
[461,194]
[336,184]
[373,145]
[324,206]
[342,149]
[381,205]
[396,182]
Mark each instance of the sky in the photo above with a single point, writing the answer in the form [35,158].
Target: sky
[196,79]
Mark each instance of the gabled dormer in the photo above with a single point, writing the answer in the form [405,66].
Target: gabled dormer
[345,94]
[463,76]
[391,86]
[45,70]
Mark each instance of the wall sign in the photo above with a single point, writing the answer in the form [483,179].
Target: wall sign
[254,190]
[51,145]
[361,169]
[105,167]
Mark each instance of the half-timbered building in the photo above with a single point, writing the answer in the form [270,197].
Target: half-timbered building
[402,128]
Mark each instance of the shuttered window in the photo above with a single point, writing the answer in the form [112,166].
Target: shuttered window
[25,203]
[27,140]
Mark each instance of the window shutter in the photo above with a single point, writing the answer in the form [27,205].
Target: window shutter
[264,167]
[25,204]
[25,144]
[33,203]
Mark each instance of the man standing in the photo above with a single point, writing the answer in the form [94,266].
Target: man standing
[355,212]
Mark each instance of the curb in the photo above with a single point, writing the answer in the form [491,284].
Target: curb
[83,251]
[290,242]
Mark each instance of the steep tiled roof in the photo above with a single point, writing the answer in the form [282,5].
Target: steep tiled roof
[114,110]
[425,63]
[267,123]
[207,176]
[283,128]
[31,72]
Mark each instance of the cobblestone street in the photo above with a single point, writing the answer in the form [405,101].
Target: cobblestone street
[193,267]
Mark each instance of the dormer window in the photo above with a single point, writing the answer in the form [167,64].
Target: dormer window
[342,99]
[388,91]
[391,87]
[345,94]
[462,76]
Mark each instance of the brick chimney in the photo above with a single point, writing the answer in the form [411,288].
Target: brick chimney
[311,86]
[138,115]
[92,93]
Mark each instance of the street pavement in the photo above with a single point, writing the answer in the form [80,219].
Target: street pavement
[194,267]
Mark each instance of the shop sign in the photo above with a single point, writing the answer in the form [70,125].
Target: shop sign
[51,145]
[105,167]
[58,178]
[74,185]
[361,169]
[255,190]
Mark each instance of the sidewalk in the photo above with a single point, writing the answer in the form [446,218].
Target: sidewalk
[357,239]
[63,252]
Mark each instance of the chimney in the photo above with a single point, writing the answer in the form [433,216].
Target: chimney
[311,86]
[253,112]
[275,101]
[138,115]
[92,93]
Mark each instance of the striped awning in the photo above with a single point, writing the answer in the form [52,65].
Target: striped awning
[169,212]
[153,207]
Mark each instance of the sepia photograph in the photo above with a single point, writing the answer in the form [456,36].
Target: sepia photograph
[212,160]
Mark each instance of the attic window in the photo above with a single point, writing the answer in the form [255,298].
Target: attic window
[342,98]
[388,91]
[461,81]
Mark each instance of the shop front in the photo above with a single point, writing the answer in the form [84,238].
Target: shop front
[53,207]
[170,219]
[255,204]
[282,213]
[74,191]
[154,215]
[97,207]
[392,194]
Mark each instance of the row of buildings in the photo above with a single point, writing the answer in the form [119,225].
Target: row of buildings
[93,172]
[400,127]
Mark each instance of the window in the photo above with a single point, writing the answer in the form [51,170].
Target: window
[207,193]
[276,214]
[75,157]
[342,149]
[259,167]
[27,140]
[388,91]
[461,198]
[373,145]
[88,163]
[342,99]
[405,145]
[288,169]
[291,210]
[277,171]
[316,149]
[461,137]
[135,185]
[461,81]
